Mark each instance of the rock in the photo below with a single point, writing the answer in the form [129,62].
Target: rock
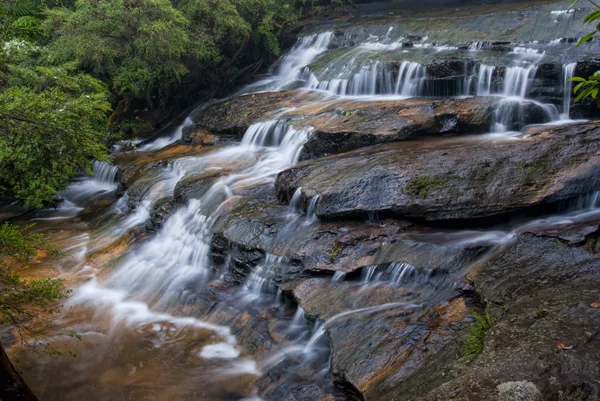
[136,165]
[539,289]
[450,67]
[161,210]
[518,391]
[445,180]
[379,343]
[232,117]
[344,125]
[259,225]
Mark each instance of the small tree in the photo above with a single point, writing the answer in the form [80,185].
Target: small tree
[22,302]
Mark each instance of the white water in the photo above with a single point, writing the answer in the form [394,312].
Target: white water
[484,80]
[157,276]
[166,141]
[291,66]
[568,73]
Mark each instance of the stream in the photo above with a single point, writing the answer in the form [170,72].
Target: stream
[166,314]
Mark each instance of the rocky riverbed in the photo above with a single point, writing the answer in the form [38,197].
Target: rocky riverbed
[407,208]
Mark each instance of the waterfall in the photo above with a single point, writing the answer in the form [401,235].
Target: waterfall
[304,52]
[517,80]
[374,79]
[166,141]
[484,80]
[478,45]
[106,175]
[568,73]
[410,78]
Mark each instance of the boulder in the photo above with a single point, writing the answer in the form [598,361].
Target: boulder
[457,178]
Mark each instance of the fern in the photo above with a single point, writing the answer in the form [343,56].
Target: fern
[23,8]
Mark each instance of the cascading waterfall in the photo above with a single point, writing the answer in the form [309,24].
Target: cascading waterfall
[106,175]
[158,276]
[376,79]
[166,141]
[292,65]
[568,73]
[484,80]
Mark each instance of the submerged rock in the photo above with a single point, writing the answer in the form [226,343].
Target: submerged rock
[438,180]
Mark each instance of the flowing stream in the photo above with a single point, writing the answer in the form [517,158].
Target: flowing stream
[157,315]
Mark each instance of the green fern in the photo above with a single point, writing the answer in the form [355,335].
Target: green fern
[23,8]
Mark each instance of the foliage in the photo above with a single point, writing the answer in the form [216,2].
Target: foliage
[588,87]
[52,125]
[21,300]
[473,344]
[74,74]
[133,44]
[144,48]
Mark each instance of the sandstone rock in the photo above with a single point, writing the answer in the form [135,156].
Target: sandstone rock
[438,180]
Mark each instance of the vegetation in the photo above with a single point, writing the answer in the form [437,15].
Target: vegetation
[334,251]
[78,75]
[421,186]
[23,302]
[473,344]
[589,87]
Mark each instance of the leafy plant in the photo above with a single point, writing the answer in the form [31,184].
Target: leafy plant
[589,87]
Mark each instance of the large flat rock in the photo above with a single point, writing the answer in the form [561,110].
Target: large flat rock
[459,178]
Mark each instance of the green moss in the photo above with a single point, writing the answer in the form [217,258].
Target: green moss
[421,186]
[334,251]
[531,170]
[473,344]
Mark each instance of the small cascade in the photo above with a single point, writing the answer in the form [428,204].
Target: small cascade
[395,274]
[260,282]
[312,209]
[478,45]
[410,79]
[338,277]
[166,141]
[269,133]
[568,73]
[291,67]
[517,80]
[484,80]
[375,79]
[106,175]
[295,205]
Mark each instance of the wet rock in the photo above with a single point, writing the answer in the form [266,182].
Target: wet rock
[11,208]
[380,343]
[451,179]
[540,289]
[446,68]
[260,225]
[232,117]
[135,165]
[160,212]
[342,126]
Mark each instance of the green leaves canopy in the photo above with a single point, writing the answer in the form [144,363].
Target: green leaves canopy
[52,125]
